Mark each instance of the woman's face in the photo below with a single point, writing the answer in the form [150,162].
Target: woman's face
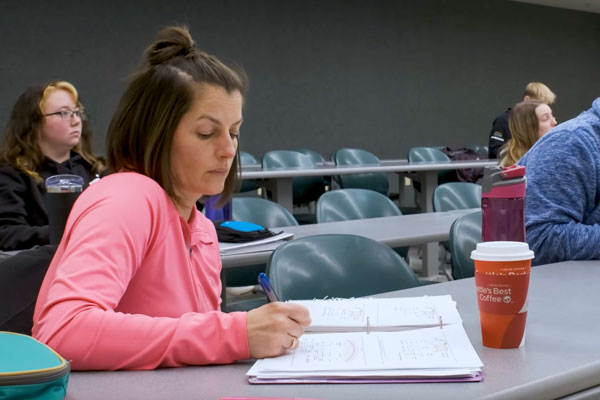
[57,134]
[545,119]
[205,143]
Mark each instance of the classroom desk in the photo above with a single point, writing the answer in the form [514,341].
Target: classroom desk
[425,229]
[561,355]
[279,181]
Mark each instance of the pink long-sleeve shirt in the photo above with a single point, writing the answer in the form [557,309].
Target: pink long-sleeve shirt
[134,286]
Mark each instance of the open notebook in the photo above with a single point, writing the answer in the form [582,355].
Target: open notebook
[405,343]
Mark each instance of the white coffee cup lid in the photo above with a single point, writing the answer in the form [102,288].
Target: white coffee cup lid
[502,251]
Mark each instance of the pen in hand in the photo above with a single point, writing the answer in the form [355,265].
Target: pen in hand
[263,280]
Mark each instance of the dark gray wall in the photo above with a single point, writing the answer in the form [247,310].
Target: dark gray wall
[380,75]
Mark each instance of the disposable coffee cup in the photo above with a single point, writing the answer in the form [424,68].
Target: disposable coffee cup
[502,281]
[62,191]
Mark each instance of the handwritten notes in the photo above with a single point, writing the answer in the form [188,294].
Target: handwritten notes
[420,348]
[339,315]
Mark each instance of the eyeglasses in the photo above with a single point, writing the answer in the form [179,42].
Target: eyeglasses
[66,115]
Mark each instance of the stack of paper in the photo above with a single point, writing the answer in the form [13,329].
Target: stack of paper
[442,353]
[267,244]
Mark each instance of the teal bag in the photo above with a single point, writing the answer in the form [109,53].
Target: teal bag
[31,370]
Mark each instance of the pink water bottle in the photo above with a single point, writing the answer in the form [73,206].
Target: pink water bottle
[503,204]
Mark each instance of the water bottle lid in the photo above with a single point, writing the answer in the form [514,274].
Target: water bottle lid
[514,171]
[502,251]
[502,182]
[64,183]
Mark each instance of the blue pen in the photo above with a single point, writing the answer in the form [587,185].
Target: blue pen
[263,280]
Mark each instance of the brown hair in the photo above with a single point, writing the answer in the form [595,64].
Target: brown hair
[20,143]
[140,134]
[539,91]
[524,125]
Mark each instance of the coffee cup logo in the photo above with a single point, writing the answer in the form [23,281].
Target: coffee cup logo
[506,299]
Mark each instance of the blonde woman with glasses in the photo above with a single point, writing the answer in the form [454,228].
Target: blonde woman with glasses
[46,134]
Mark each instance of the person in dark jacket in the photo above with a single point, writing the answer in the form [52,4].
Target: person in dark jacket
[47,134]
[500,133]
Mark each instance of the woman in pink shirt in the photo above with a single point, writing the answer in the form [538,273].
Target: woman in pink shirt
[134,283]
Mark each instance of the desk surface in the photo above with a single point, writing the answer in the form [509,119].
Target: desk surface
[561,354]
[399,231]
[256,171]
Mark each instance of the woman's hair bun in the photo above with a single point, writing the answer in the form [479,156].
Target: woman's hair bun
[170,42]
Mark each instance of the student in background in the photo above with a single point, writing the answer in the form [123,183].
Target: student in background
[46,134]
[562,207]
[135,280]
[529,121]
[501,133]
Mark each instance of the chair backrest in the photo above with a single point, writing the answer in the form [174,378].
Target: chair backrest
[262,212]
[306,188]
[465,233]
[265,213]
[430,154]
[426,154]
[377,182]
[337,266]
[476,148]
[349,204]
[278,159]
[480,150]
[316,157]
[248,159]
[456,196]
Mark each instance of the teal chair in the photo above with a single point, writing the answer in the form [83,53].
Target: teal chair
[318,159]
[305,189]
[430,154]
[349,204]
[248,159]
[456,196]
[426,154]
[378,182]
[465,233]
[476,148]
[265,213]
[337,266]
[481,151]
[262,212]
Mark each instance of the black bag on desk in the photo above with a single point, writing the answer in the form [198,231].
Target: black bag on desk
[471,175]
[241,232]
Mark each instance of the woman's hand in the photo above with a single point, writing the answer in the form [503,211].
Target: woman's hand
[274,328]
